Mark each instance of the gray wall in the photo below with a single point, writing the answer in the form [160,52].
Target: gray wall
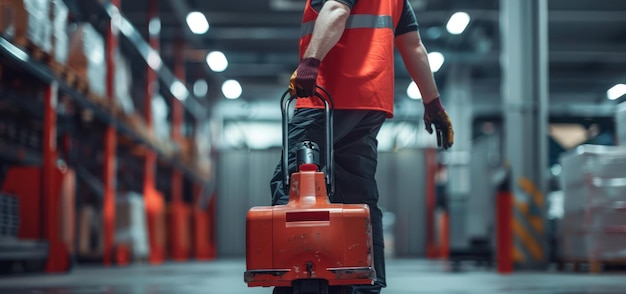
[243,182]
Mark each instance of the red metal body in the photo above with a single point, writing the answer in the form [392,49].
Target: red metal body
[46,211]
[504,228]
[309,238]
[203,227]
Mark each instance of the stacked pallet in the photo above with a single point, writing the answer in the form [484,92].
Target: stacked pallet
[593,228]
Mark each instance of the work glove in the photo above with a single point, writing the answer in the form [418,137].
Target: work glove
[434,113]
[303,79]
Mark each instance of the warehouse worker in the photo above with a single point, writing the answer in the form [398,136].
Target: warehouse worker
[347,47]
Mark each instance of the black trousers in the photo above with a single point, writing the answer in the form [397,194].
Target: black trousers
[355,161]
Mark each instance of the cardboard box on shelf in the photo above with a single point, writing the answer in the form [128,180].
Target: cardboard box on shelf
[59,13]
[6,16]
[27,21]
[123,83]
[160,122]
[87,56]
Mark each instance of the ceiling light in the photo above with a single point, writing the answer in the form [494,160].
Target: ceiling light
[197,23]
[217,61]
[200,88]
[616,91]
[457,23]
[436,60]
[154,60]
[154,27]
[231,89]
[413,92]
[126,27]
[179,90]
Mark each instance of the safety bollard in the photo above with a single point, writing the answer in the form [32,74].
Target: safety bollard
[504,227]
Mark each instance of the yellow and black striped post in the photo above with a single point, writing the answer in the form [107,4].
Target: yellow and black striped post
[528,224]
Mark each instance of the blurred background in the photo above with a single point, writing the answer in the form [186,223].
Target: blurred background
[141,132]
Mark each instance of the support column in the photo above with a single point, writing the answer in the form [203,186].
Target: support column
[180,237]
[155,204]
[58,254]
[524,29]
[110,143]
[457,100]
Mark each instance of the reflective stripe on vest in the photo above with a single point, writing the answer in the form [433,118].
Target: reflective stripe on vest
[356,21]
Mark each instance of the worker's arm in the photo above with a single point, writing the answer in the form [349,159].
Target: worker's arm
[329,27]
[415,58]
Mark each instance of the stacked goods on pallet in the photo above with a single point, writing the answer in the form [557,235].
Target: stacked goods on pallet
[620,123]
[123,83]
[161,127]
[87,59]
[202,161]
[27,23]
[90,233]
[130,224]
[9,215]
[196,151]
[58,15]
[593,227]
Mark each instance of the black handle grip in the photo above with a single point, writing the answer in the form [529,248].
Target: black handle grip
[328,107]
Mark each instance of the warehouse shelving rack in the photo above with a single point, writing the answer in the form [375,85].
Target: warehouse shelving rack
[57,142]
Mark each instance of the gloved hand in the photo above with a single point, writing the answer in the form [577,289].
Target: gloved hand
[434,113]
[303,79]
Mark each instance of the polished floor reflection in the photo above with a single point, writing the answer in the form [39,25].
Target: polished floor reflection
[226,277]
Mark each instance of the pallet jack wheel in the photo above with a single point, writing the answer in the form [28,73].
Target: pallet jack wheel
[282,290]
[310,286]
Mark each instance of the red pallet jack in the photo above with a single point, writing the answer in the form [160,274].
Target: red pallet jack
[309,244]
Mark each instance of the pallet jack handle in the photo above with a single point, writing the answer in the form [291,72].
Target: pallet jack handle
[328,108]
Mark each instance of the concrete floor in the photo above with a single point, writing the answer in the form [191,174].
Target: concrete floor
[226,277]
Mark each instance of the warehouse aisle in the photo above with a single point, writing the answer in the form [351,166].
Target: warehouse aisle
[225,277]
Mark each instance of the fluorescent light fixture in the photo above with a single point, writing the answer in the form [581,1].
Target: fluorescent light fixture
[200,88]
[457,23]
[154,27]
[14,50]
[126,27]
[179,90]
[231,89]
[616,91]
[436,60]
[197,23]
[217,61]
[154,60]
[413,92]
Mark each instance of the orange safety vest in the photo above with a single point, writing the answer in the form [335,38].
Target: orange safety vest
[358,72]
